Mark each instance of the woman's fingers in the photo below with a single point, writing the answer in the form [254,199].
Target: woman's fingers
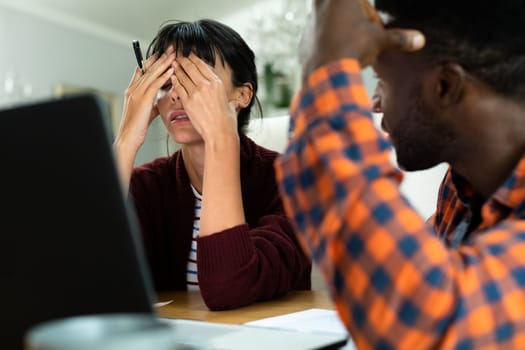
[157,84]
[183,69]
[203,68]
[137,74]
[140,94]
[154,68]
[149,62]
[179,88]
[157,71]
[194,72]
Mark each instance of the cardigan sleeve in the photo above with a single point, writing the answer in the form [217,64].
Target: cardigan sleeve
[163,203]
[262,263]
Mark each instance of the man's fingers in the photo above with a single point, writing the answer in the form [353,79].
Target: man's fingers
[403,39]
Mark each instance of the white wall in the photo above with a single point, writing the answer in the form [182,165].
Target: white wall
[41,53]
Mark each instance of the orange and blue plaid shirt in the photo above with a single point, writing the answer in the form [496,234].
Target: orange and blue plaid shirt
[398,281]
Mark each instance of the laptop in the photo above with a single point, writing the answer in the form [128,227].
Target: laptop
[69,243]
[69,239]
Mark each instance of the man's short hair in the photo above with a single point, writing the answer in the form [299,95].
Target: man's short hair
[487,38]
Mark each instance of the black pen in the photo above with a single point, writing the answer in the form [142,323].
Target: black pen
[138,54]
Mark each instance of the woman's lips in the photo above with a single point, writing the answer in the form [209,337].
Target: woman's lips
[178,117]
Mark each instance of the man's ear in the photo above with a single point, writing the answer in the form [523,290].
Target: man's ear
[450,84]
[244,95]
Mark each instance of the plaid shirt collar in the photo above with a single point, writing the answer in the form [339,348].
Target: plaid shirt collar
[509,198]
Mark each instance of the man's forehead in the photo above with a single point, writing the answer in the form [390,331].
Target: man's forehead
[394,61]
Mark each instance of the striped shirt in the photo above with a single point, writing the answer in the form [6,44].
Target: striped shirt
[397,281]
[191,271]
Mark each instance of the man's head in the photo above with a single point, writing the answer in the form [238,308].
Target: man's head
[470,46]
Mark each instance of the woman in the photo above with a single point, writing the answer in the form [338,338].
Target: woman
[210,213]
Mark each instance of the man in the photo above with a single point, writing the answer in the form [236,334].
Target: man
[453,91]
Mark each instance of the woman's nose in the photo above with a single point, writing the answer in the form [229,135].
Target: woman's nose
[172,93]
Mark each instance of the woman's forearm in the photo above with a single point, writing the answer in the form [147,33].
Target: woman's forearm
[222,206]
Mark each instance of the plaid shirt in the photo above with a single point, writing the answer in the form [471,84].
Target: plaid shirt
[397,281]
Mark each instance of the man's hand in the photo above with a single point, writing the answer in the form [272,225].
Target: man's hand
[339,29]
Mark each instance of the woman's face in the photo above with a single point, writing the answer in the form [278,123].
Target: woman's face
[180,129]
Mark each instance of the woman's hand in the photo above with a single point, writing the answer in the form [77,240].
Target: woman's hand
[204,97]
[206,102]
[139,109]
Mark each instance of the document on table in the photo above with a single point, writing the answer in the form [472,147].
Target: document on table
[311,321]
[162,303]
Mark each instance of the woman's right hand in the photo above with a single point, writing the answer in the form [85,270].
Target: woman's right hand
[139,108]
[139,111]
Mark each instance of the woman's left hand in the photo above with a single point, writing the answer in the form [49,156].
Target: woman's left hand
[204,97]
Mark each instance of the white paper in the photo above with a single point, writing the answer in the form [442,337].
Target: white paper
[162,303]
[311,320]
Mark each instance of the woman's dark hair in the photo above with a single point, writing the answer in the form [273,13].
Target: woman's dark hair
[487,38]
[207,39]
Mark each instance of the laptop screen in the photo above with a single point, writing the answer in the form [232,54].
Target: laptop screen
[70,242]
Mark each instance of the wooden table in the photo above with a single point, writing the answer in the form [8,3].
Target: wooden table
[189,305]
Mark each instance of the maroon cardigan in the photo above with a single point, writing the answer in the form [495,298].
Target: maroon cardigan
[255,261]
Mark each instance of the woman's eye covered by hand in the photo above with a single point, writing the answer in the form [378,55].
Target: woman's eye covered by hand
[167,86]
